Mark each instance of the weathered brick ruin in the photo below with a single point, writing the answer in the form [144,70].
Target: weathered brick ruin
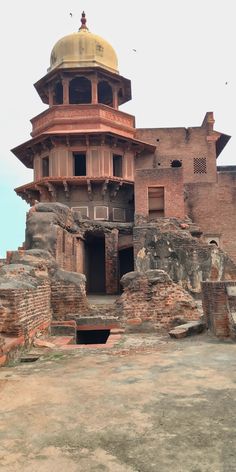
[112,202]
[153,302]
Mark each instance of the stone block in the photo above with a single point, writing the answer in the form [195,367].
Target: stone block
[188,329]
[231,291]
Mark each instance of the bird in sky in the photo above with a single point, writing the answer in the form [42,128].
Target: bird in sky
[226,83]
[71,14]
[134,50]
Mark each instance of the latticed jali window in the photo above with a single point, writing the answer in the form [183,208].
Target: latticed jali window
[199,165]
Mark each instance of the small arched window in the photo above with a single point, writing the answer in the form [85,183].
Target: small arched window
[80,91]
[58,94]
[105,94]
[176,163]
[213,243]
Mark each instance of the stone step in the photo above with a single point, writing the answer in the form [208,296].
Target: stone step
[187,329]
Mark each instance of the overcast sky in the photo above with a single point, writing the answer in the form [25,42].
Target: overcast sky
[184,66]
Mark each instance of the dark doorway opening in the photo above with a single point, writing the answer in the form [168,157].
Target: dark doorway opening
[45,167]
[117,165]
[79,164]
[126,262]
[95,263]
[94,336]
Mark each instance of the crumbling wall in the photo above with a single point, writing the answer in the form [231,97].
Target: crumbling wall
[111,258]
[219,306]
[25,304]
[169,246]
[3,356]
[151,301]
[50,227]
[67,289]
[68,294]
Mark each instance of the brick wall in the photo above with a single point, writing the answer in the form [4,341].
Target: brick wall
[152,302]
[212,207]
[184,144]
[68,295]
[23,311]
[172,181]
[66,247]
[111,261]
[218,307]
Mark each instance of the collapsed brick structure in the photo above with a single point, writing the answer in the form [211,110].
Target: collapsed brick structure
[109,199]
[153,302]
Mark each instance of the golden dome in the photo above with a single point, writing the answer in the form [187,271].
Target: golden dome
[83,49]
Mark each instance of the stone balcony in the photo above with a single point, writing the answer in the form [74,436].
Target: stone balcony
[61,119]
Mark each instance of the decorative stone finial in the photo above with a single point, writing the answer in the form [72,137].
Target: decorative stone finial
[83,22]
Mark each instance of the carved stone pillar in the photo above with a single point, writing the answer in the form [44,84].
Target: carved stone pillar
[65,85]
[94,90]
[50,96]
[115,98]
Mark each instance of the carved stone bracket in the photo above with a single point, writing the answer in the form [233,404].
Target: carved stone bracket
[52,190]
[67,190]
[90,192]
[116,189]
[104,187]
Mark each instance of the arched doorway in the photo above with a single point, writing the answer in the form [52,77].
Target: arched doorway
[80,91]
[58,94]
[105,94]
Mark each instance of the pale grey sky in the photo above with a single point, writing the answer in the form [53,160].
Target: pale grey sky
[185,55]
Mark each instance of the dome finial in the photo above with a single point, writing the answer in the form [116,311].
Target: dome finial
[83,22]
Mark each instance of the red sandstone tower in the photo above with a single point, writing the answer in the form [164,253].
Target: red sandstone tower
[83,148]
[88,155]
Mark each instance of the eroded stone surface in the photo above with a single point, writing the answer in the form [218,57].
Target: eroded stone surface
[187,260]
[152,301]
[187,329]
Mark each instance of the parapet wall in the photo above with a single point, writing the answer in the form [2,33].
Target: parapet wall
[23,311]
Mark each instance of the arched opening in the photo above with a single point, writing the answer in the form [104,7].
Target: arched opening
[95,262]
[213,243]
[105,94]
[80,91]
[176,163]
[126,262]
[58,94]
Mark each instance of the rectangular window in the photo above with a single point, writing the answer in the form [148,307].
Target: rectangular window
[155,202]
[79,163]
[82,212]
[118,214]
[117,165]
[45,167]
[101,213]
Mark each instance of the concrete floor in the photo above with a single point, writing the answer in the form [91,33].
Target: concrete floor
[147,405]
